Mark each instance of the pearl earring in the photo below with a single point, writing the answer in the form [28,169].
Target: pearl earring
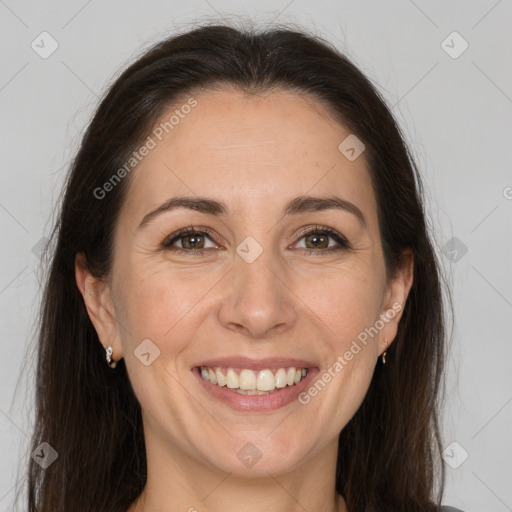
[110,360]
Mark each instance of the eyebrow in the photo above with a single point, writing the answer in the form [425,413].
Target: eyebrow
[301,204]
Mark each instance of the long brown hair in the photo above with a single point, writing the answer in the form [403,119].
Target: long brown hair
[389,453]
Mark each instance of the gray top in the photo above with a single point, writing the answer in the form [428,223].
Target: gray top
[450,509]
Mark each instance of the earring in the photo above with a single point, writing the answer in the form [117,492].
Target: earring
[384,353]
[110,361]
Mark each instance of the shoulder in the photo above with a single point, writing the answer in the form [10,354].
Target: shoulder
[450,509]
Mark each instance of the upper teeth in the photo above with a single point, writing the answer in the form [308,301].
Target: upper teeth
[248,380]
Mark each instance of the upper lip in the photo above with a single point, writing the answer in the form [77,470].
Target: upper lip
[257,364]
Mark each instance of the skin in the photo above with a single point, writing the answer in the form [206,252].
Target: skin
[255,153]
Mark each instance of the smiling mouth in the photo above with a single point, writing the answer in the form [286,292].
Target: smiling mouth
[250,382]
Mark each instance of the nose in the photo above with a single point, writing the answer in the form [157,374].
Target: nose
[260,302]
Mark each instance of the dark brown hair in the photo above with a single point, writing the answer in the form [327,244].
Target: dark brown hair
[389,453]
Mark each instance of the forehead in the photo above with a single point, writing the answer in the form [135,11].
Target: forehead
[250,151]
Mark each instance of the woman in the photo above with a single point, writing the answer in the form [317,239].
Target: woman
[243,309]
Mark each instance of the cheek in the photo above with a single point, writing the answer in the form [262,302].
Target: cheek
[153,309]
[346,300]
[348,304]
[155,302]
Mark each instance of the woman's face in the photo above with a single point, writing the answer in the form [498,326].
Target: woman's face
[266,288]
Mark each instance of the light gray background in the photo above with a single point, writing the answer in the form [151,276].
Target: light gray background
[455,113]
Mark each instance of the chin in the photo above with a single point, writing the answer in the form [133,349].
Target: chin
[257,459]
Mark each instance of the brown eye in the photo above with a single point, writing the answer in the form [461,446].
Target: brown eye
[320,238]
[316,241]
[192,241]
[189,240]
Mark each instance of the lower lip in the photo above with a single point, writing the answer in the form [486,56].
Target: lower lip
[255,403]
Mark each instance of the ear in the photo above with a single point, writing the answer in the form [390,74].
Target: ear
[100,307]
[395,298]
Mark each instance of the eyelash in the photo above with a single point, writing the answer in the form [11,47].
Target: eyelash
[344,244]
